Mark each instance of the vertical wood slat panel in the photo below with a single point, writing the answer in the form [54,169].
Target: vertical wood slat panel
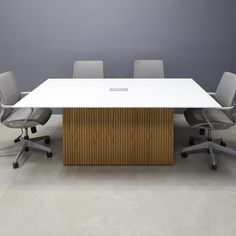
[117,136]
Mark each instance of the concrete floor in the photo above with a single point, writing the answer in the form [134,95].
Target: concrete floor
[43,197]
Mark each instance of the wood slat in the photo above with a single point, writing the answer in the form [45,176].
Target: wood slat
[117,136]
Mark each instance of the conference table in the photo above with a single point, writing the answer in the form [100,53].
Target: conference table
[118,121]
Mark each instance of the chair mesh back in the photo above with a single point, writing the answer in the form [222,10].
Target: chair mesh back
[9,92]
[225,93]
[88,69]
[148,69]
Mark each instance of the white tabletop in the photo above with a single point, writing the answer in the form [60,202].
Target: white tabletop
[132,93]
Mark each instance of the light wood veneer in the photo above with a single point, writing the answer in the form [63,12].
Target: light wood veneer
[117,136]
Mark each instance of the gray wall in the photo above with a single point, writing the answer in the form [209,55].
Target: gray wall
[41,39]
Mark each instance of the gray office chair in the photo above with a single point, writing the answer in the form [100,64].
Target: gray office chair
[148,69]
[213,119]
[88,69]
[23,118]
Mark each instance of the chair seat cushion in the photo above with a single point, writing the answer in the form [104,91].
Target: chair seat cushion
[40,116]
[218,118]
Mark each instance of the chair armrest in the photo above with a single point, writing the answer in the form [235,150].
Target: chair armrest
[212,94]
[12,107]
[204,111]
[220,109]
[225,108]
[27,118]
[6,106]
[24,93]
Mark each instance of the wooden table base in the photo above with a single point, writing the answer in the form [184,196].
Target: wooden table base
[117,136]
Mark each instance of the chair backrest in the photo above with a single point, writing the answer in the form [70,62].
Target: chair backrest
[226,91]
[9,92]
[88,69]
[148,69]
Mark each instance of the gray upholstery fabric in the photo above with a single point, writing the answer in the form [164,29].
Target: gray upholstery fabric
[225,95]
[88,69]
[148,69]
[9,92]
[219,119]
[16,119]
[225,92]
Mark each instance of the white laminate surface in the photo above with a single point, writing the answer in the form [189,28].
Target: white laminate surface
[118,93]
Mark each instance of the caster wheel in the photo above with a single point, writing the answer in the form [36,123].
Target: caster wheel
[184,155]
[214,167]
[47,141]
[26,149]
[223,144]
[15,165]
[49,154]
[191,142]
